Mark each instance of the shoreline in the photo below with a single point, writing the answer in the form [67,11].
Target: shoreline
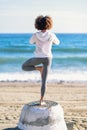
[71,96]
[48,82]
[55,76]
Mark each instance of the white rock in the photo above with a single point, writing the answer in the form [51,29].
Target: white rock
[47,117]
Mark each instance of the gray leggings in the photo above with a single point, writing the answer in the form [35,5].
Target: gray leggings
[30,64]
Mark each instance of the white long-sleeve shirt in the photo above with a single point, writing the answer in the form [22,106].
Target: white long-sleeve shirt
[44,43]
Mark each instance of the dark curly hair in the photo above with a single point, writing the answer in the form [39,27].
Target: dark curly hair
[43,22]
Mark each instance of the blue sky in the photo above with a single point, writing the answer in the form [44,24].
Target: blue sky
[69,16]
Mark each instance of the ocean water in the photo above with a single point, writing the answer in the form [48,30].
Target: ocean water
[69,58]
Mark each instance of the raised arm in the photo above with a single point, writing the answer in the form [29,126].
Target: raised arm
[33,39]
[55,39]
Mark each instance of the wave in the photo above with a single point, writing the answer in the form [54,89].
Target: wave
[56,59]
[56,76]
[71,58]
[26,48]
[17,50]
[6,60]
[70,50]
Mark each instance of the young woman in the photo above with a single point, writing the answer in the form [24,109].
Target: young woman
[43,55]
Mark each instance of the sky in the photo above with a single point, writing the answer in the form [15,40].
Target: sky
[17,16]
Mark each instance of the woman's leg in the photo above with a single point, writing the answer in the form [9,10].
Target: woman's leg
[30,64]
[46,67]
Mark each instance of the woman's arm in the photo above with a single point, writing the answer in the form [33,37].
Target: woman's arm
[55,40]
[33,39]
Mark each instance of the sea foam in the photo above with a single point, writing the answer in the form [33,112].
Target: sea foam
[52,77]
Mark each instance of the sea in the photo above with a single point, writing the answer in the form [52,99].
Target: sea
[69,63]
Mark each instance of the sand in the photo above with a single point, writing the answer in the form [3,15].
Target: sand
[71,96]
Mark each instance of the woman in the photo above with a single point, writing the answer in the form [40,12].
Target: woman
[43,55]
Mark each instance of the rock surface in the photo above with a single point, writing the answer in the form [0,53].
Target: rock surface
[47,117]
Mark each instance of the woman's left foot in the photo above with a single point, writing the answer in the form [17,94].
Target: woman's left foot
[42,103]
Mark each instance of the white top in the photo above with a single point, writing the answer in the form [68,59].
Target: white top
[44,41]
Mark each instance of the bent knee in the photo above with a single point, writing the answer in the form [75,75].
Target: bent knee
[23,67]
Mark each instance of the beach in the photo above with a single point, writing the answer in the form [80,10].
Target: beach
[72,96]
[67,80]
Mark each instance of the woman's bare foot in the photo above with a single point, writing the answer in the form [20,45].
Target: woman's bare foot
[40,69]
[42,103]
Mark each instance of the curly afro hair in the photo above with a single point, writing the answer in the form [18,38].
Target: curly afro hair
[43,22]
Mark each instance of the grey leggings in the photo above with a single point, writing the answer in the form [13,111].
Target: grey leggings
[30,64]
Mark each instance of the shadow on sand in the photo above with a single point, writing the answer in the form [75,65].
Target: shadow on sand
[16,128]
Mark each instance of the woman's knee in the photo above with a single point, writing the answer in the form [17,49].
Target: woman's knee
[23,67]
[28,67]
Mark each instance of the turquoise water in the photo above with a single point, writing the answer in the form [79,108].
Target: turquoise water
[69,58]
